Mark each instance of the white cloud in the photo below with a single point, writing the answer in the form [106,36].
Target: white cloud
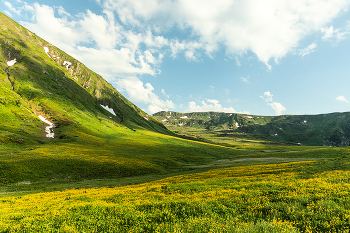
[342,98]
[238,62]
[167,96]
[143,93]
[208,105]
[328,32]
[245,79]
[270,28]
[277,107]
[307,50]
[12,8]
[336,35]
[267,97]
[8,13]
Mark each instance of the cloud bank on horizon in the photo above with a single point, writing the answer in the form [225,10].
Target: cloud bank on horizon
[130,38]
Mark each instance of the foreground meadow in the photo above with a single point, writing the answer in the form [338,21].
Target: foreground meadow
[308,196]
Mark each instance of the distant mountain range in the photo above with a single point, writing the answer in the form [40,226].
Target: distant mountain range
[319,130]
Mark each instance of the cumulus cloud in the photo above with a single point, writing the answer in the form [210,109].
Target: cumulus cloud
[208,105]
[277,107]
[342,98]
[307,50]
[335,35]
[270,29]
[267,97]
[140,92]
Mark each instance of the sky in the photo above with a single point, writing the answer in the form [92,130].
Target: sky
[258,57]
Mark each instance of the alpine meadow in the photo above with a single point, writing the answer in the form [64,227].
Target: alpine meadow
[77,156]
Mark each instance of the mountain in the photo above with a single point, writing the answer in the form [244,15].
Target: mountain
[314,130]
[36,78]
[62,123]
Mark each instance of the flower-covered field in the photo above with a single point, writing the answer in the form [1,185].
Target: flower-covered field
[287,197]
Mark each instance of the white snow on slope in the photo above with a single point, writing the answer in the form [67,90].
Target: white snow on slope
[146,118]
[237,125]
[47,51]
[67,64]
[12,62]
[48,129]
[183,117]
[108,109]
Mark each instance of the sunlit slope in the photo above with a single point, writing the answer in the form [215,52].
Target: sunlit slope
[314,130]
[289,197]
[121,152]
[36,78]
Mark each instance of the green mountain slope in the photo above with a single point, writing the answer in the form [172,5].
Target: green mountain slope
[43,80]
[322,130]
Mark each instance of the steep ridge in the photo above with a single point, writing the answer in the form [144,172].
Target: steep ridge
[36,78]
[314,130]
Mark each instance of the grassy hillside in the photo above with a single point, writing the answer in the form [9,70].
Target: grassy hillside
[41,83]
[314,130]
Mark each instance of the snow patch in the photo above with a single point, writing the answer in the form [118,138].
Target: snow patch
[67,64]
[48,129]
[47,51]
[181,124]
[146,118]
[108,109]
[250,117]
[183,117]
[12,62]
[237,125]
[168,116]
[165,120]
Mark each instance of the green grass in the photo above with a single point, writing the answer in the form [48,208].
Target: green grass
[287,197]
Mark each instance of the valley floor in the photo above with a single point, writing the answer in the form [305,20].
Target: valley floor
[140,181]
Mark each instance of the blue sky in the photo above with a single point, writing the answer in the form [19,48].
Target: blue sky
[272,57]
